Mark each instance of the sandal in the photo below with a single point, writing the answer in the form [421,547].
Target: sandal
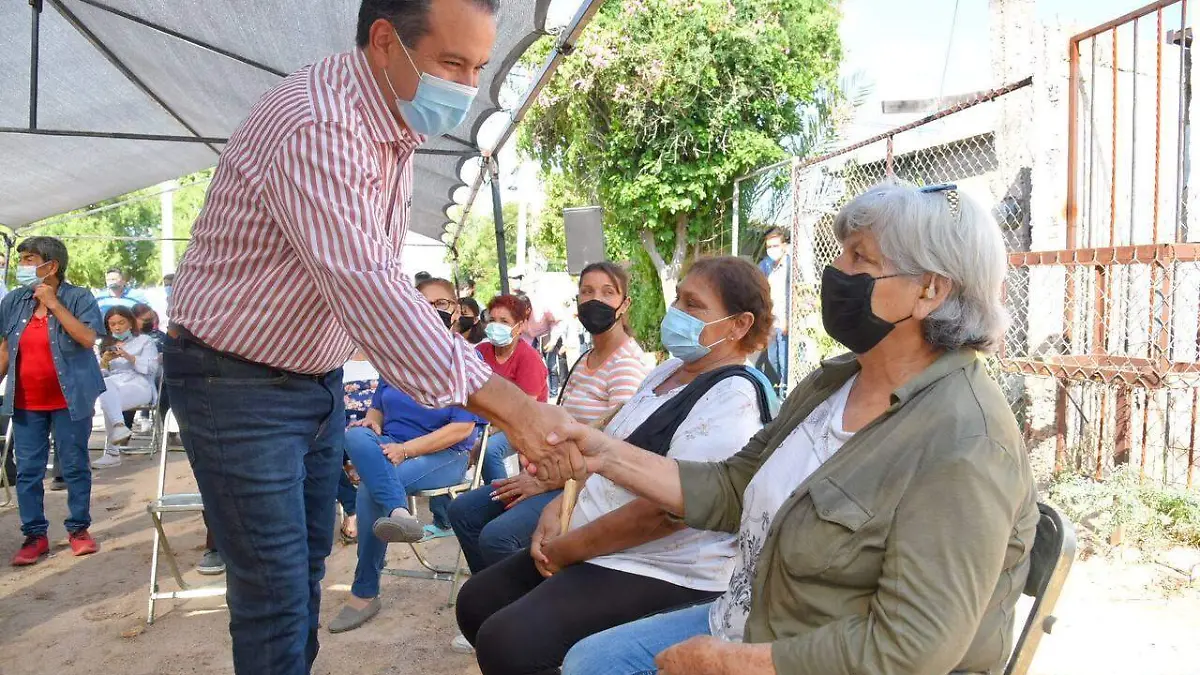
[348,537]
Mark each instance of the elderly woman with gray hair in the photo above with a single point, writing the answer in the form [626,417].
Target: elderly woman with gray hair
[885,518]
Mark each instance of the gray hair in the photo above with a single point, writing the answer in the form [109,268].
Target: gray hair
[48,249]
[919,233]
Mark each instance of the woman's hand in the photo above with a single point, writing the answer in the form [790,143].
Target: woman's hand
[545,547]
[368,423]
[120,353]
[513,491]
[708,655]
[593,443]
[395,452]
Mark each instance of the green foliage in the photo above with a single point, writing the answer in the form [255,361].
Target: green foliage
[665,102]
[1150,516]
[477,251]
[91,239]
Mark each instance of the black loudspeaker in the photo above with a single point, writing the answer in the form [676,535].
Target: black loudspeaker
[585,237]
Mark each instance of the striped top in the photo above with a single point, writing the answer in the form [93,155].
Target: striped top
[592,394]
[295,258]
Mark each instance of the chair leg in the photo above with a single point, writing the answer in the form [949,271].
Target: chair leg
[7,479]
[457,580]
[153,570]
[170,554]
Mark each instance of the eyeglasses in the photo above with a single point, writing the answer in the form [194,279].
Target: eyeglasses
[444,305]
[951,191]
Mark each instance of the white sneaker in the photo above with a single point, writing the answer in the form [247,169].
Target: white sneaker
[119,434]
[107,461]
[459,645]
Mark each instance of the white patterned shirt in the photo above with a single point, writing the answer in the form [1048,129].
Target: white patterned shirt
[810,445]
[719,426]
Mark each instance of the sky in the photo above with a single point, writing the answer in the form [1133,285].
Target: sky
[901,49]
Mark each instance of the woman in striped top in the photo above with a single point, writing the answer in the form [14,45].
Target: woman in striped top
[497,520]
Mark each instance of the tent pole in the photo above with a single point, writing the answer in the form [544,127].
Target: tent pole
[498,215]
[35,20]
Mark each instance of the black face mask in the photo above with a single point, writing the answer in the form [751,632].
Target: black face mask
[466,323]
[447,318]
[846,310]
[597,317]
[147,326]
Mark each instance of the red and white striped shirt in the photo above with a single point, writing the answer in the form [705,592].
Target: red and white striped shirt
[295,258]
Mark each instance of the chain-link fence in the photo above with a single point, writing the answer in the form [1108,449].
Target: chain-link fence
[1100,361]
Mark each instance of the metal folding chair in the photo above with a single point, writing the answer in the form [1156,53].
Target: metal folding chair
[172,503]
[1053,552]
[5,479]
[455,574]
[157,422]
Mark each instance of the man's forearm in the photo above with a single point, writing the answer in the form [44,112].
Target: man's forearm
[501,402]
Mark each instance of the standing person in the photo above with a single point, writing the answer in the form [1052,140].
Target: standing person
[294,261]
[53,382]
[777,266]
[117,292]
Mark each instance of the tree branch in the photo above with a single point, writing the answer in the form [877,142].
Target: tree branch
[681,223]
[652,250]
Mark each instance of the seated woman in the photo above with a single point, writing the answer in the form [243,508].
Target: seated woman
[624,557]
[398,448]
[885,518]
[498,519]
[470,322]
[513,359]
[129,363]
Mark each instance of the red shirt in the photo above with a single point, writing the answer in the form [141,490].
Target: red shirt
[37,380]
[524,368]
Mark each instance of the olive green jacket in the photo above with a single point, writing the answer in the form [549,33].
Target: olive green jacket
[906,552]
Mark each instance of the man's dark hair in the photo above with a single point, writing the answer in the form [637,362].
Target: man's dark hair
[410,17]
[114,270]
[168,279]
[779,232]
[48,248]
[420,277]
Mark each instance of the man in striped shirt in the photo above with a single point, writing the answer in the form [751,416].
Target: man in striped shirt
[295,261]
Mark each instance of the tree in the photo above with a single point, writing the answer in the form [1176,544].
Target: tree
[101,240]
[667,101]
[477,251]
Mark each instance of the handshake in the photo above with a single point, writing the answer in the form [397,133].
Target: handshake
[553,446]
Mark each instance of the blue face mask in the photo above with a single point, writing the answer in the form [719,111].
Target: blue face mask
[438,106]
[123,337]
[499,334]
[681,335]
[27,275]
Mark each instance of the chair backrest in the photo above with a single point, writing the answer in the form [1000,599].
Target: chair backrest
[1049,562]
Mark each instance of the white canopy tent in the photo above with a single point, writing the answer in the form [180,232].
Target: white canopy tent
[102,97]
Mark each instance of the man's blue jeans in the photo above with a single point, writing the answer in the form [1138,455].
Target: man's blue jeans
[266,449]
[384,488]
[487,533]
[630,649]
[31,445]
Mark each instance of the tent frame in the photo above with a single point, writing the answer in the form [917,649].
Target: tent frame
[490,169]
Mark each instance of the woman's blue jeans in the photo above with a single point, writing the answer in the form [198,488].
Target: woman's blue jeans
[487,532]
[384,488]
[630,649]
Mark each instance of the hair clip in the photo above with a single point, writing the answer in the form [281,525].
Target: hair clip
[951,191]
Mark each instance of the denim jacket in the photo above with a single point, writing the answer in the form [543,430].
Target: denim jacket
[78,371]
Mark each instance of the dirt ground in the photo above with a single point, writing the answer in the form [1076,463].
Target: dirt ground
[70,616]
